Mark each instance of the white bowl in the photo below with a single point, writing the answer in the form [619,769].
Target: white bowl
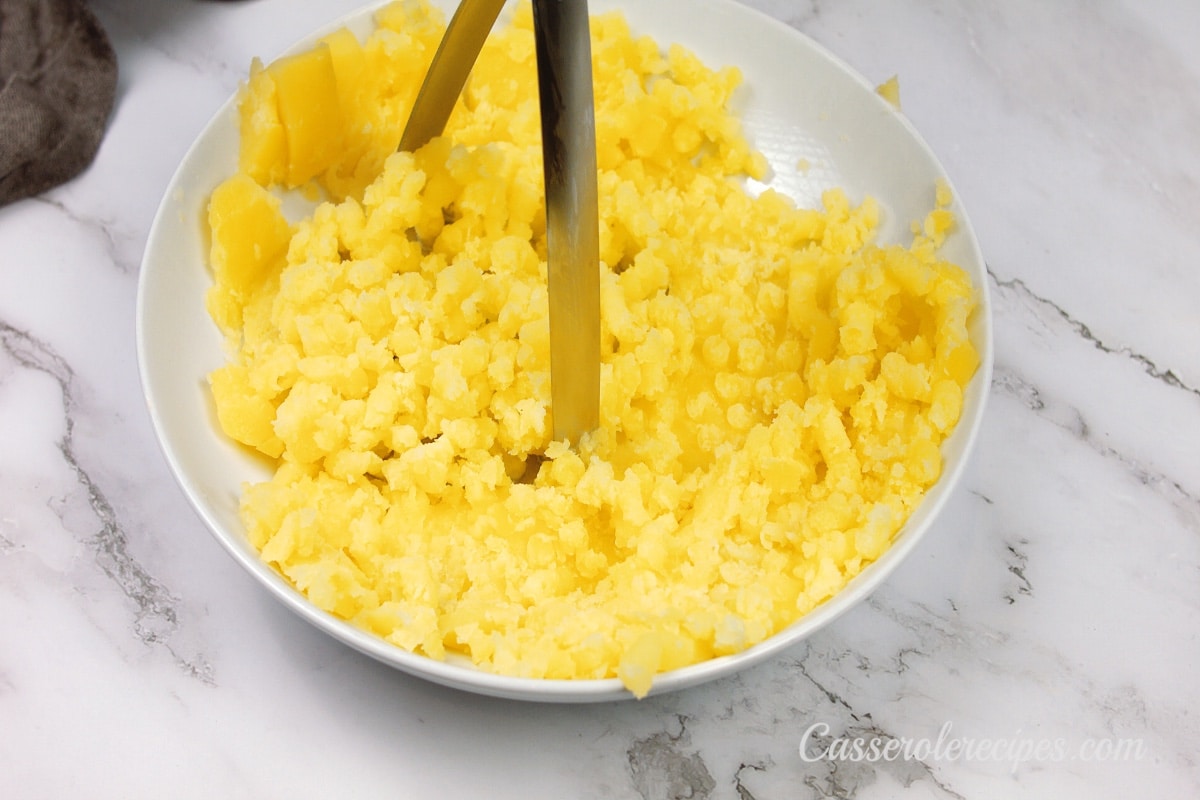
[800,103]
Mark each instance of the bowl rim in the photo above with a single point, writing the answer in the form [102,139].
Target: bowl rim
[465,676]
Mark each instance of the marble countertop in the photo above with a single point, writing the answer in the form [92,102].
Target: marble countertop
[1041,642]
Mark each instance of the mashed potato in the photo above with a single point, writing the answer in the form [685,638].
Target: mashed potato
[775,386]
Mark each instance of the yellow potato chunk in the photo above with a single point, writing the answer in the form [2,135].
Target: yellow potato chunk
[250,237]
[310,111]
[245,416]
[890,90]
[290,113]
[263,151]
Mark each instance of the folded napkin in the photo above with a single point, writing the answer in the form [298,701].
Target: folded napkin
[58,79]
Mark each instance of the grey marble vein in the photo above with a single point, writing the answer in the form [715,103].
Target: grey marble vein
[1008,381]
[1016,566]
[740,785]
[155,618]
[118,246]
[664,765]
[1048,308]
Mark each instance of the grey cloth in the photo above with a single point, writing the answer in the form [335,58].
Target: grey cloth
[58,80]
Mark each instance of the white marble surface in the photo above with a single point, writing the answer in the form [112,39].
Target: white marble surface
[1057,602]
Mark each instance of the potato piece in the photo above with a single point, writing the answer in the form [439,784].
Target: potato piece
[263,152]
[348,61]
[244,416]
[250,237]
[306,91]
